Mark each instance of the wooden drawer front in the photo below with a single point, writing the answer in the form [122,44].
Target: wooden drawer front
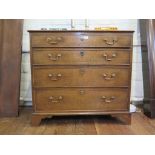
[81,76]
[97,99]
[79,39]
[80,57]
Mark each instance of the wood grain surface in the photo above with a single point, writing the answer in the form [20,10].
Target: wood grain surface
[76,125]
[65,64]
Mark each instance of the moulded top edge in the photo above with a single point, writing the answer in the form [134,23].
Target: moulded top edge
[116,31]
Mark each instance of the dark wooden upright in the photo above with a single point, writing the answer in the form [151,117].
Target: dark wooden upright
[147,27]
[10,65]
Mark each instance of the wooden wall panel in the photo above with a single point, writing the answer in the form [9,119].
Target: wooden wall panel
[148,50]
[1,25]
[150,29]
[10,66]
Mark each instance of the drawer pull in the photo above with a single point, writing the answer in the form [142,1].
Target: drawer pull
[54,58]
[107,99]
[55,77]
[53,40]
[106,77]
[107,57]
[55,99]
[110,41]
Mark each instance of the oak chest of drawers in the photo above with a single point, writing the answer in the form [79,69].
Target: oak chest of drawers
[81,73]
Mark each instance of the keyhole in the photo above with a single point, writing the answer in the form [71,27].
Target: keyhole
[82,53]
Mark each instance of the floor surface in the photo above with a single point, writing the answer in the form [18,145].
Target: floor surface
[76,125]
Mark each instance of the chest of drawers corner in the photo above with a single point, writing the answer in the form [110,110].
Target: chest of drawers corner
[81,73]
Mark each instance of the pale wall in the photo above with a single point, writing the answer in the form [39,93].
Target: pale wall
[127,24]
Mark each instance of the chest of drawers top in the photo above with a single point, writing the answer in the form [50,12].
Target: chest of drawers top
[81,38]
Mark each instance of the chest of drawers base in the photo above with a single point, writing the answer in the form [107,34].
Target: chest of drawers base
[81,73]
[124,117]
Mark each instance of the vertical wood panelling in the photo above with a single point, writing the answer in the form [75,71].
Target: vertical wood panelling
[11,42]
[150,36]
[1,36]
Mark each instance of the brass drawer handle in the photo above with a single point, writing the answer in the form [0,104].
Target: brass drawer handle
[55,77]
[107,77]
[54,58]
[108,99]
[53,40]
[110,41]
[55,99]
[107,57]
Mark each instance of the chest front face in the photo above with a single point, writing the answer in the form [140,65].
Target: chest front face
[81,72]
